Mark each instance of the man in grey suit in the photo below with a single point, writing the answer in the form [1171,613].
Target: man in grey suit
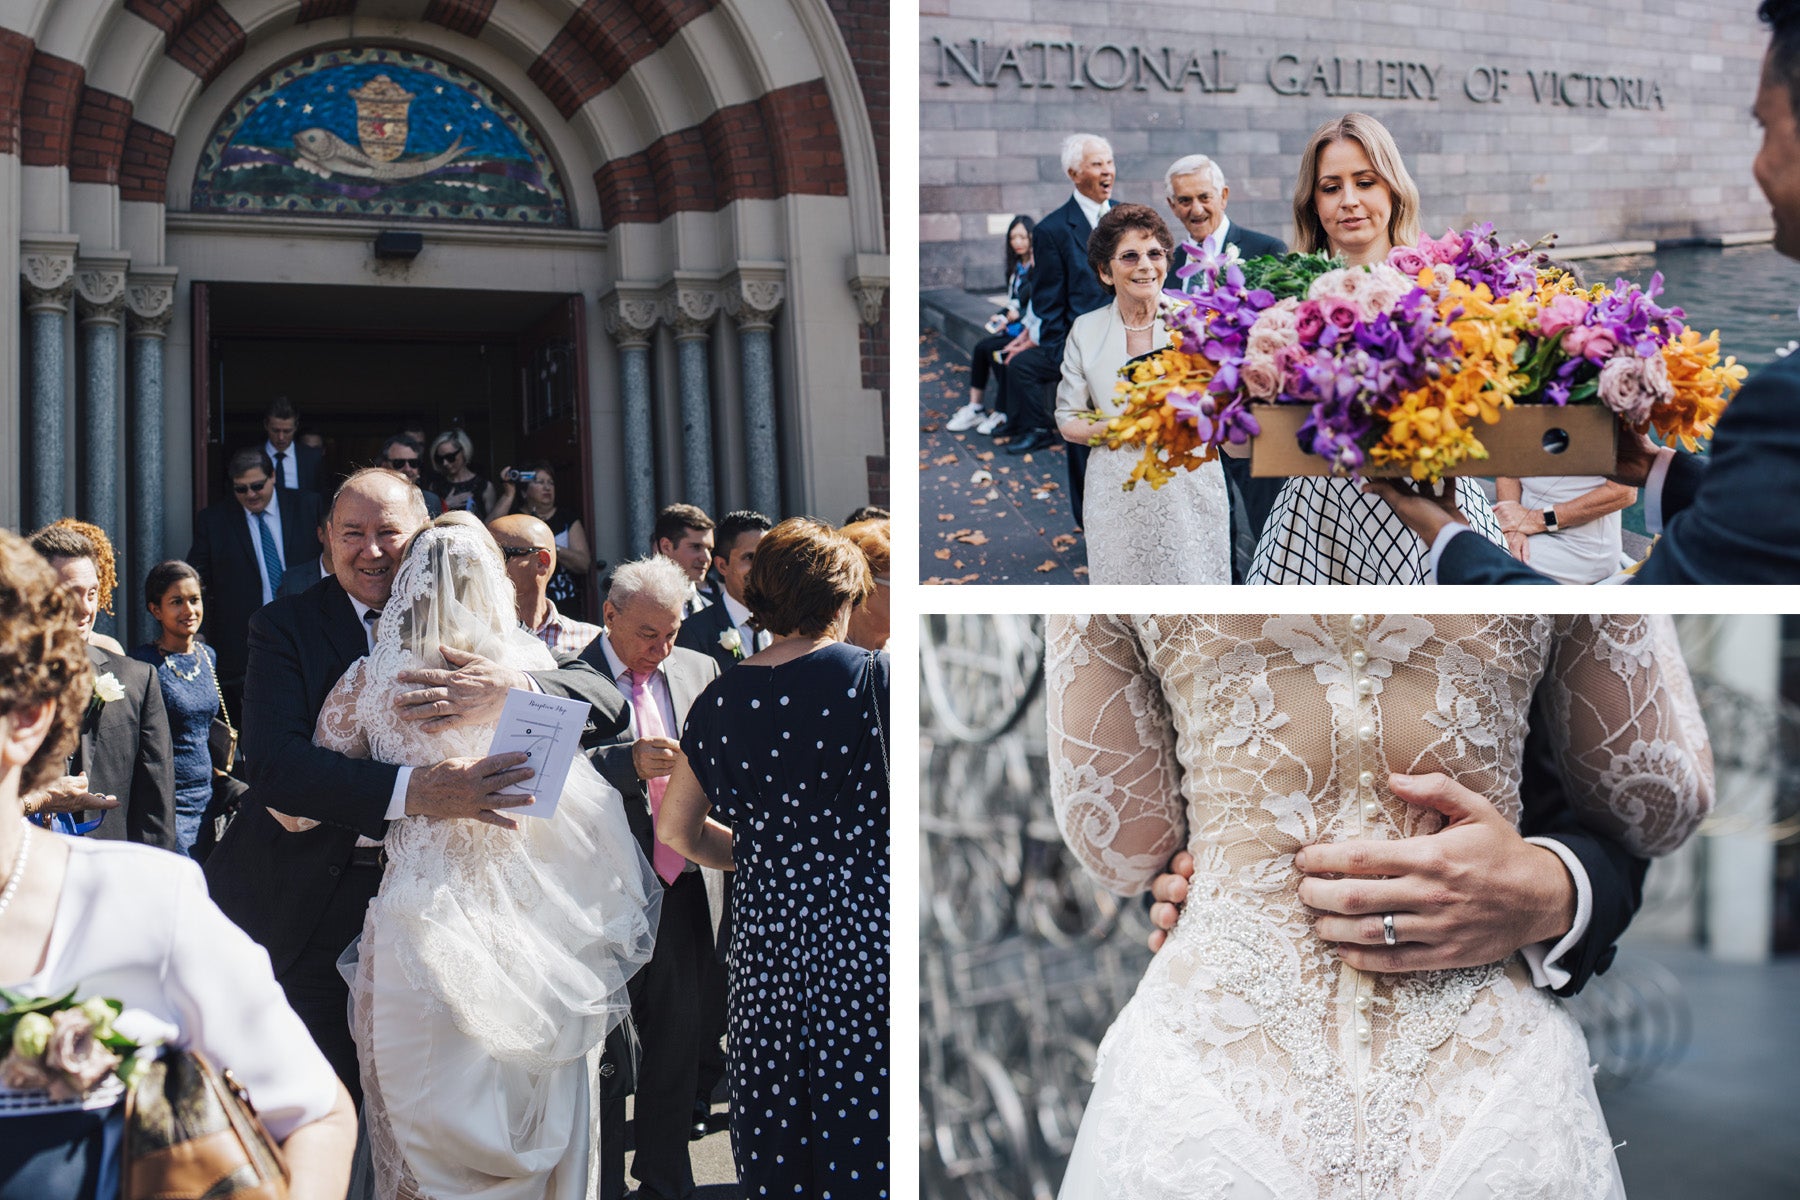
[661,682]
[121,780]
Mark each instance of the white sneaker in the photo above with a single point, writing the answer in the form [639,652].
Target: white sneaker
[992,423]
[965,418]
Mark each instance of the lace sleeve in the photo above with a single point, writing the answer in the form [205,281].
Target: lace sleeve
[338,728]
[1114,779]
[1628,731]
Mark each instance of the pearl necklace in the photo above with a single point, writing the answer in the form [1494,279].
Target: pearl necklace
[1138,328]
[18,868]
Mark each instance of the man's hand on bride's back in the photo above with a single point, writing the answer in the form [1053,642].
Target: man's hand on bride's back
[472,691]
[469,788]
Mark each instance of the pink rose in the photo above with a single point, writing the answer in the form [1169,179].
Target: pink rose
[1407,260]
[1444,249]
[1594,343]
[1564,312]
[76,1056]
[26,1074]
[1259,377]
[1289,359]
[1309,321]
[1633,386]
[1339,312]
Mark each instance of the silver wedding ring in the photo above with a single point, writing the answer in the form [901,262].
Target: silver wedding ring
[1387,929]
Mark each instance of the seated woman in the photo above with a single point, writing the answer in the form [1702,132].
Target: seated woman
[1007,335]
[133,924]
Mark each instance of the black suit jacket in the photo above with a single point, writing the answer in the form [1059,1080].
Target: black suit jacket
[1731,517]
[226,560]
[1250,244]
[1065,286]
[126,752]
[700,633]
[273,883]
[306,464]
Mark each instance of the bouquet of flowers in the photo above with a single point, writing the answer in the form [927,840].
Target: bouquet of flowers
[70,1049]
[1402,361]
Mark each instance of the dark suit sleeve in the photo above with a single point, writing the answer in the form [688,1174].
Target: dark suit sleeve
[1471,558]
[200,554]
[1050,295]
[287,772]
[151,816]
[579,680]
[1686,473]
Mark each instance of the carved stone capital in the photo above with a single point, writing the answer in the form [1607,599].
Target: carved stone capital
[631,315]
[689,309]
[151,302]
[869,284]
[49,276]
[754,294]
[100,292]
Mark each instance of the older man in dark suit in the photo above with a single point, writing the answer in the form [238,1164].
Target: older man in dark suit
[1730,517]
[244,546]
[121,779]
[303,896]
[1065,287]
[661,682]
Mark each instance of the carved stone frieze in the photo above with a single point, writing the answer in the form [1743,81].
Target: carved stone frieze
[151,303]
[752,296]
[690,309]
[49,279]
[100,293]
[631,316]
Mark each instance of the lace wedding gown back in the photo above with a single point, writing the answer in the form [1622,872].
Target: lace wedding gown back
[492,961]
[1252,1063]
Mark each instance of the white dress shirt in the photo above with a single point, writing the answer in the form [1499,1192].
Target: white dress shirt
[256,543]
[740,620]
[287,471]
[1093,210]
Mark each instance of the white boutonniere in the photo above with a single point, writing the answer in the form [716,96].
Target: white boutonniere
[732,641]
[107,688]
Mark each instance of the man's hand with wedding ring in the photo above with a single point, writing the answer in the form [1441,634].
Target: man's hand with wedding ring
[469,788]
[473,691]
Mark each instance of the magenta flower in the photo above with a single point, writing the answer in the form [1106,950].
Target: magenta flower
[1560,314]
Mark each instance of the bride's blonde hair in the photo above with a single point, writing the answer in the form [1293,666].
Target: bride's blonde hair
[1384,155]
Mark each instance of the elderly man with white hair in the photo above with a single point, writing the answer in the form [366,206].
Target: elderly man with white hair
[661,681]
[1196,191]
[1066,288]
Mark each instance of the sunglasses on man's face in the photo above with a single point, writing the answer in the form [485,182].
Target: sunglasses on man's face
[248,489]
[512,552]
[403,464]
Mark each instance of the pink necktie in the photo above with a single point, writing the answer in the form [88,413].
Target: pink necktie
[648,712]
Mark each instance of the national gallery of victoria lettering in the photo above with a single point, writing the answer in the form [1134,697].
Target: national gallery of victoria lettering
[642,240]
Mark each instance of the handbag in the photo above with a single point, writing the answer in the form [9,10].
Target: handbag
[191,1132]
[221,736]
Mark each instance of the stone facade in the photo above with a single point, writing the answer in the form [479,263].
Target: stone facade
[1617,120]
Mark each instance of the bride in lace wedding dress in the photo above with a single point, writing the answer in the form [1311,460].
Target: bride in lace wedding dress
[1252,1063]
[492,960]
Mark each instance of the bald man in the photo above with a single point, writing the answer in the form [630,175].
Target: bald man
[530,552]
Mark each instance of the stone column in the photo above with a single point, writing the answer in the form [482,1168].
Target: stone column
[690,310]
[631,323]
[150,301]
[752,297]
[100,300]
[49,273]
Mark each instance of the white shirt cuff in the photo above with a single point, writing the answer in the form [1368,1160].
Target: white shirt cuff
[1653,489]
[397,802]
[1542,957]
[1437,547]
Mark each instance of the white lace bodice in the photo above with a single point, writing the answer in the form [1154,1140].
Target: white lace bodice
[1244,738]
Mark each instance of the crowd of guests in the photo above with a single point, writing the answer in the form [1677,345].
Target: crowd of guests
[744,630]
[1084,286]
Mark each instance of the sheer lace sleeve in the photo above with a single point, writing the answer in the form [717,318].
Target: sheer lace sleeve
[337,730]
[1628,731]
[1114,778]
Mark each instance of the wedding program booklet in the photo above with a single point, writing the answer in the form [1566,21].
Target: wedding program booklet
[548,729]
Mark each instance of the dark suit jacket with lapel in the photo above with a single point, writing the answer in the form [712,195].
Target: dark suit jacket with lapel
[1065,287]
[306,466]
[1732,517]
[126,752]
[226,560]
[273,883]
[1250,244]
[700,633]
[688,672]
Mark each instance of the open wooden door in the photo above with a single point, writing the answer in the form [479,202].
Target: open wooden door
[553,394]
[206,429]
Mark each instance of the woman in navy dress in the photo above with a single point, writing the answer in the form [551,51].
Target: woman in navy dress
[187,669]
[790,748]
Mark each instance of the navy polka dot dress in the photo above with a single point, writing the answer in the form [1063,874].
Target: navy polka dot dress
[790,757]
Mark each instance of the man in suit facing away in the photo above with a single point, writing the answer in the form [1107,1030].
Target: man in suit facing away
[1197,193]
[244,546]
[1734,515]
[1065,288]
[302,896]
[723,630]
[661,683]
[121,779]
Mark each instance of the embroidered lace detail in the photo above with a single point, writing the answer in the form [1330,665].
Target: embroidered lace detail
[1244,738]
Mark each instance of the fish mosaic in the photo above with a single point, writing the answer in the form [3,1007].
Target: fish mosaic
[378,132]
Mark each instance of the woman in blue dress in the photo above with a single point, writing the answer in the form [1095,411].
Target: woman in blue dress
[187,668]
[790,748]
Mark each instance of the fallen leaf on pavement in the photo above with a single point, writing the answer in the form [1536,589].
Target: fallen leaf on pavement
[943,460]
[986,456]
[940,554]
[1049,564]
[1064,541]
[946,516]
[974,538]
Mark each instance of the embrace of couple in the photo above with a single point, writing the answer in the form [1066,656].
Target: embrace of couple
[488,953]
[1351,1002]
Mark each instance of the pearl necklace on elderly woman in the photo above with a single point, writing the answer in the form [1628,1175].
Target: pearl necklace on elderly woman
[18,868]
